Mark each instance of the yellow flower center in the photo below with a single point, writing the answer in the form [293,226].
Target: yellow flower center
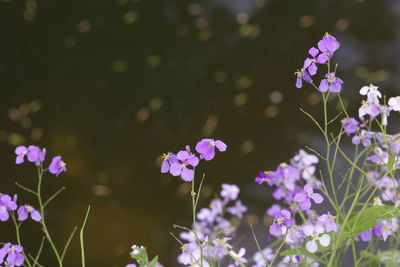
[28,207]
[62,164]
[165,156]
[212,143]
[184,165]
[4,207]
[331,78]
[280,220]
[315,237]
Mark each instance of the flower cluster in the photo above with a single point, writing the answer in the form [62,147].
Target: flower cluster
[183,163]
[208,241]
[295,184]
[321,55]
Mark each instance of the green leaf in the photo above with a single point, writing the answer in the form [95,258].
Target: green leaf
[368,218]
[390,258]
[153,262]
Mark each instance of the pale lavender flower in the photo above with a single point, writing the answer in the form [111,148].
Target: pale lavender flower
[238,256]
[371,108]
[168,159]
[206,148]
[281,222]
[350,125]
[315,232]
[364,138]
[181,167]
[57,166]
[310,63]
[6,204]
[305,159]
[328,45]
[238,209]
[329,221]
[394,103]
[131,265]
[230,191]
[11,255]
[379,157]
[25,210]
[371,92]
[304,198]
[331,83]
[260,257]
[302,75]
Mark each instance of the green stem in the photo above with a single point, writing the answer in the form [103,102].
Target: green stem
[18,235]
[43,221]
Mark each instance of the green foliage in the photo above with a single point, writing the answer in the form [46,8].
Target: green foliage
[367,218]
[390,258]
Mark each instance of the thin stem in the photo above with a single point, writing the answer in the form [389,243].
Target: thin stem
[18,235]
[43,221]
[81,237]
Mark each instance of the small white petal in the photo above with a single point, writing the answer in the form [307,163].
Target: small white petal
[325,240]
[312,246]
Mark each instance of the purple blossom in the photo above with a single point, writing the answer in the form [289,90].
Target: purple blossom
[364,138]
[350,125]
[239,257]
[304,198]
[371,92]
[302,75]
[184,159]
[371,108]
[6,204]
[238,209]
[331,83]
[366,235]
[264,176]
[168,159]
[274,210]
[11,255]
[310,63]
[57,166]
[33,154]
[206,148]
[281,222]
[394,103]
[328,45]
[25,210]
[329,221]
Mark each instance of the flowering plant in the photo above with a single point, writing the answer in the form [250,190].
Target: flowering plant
[325,210]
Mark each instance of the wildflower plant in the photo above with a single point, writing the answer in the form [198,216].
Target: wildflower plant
[11,209]
[324,210]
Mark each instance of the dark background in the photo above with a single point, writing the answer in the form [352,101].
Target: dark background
[112,84]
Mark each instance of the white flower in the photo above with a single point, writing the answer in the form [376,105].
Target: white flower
[394,103]
[371,91]
[230,191]
[315,232]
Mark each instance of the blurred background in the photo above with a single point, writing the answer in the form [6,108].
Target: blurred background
[112,84]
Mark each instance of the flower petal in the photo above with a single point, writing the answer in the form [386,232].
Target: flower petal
[325,240]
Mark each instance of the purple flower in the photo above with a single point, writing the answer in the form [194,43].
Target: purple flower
[366,235]
[329,221]
[304,198]
[302,75]
[350,125]
[239,257]
[206,148]
[274,210]
[310,63]
[371,92]
[57,166]
[33,153]
[264,176]
[364,138]
[229,191]
[371,108]
[328,45]
[11,255]
[331,83]
[184,159]
[238,209]
[281,222]
[168,159]
[25,210]
[6,204]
